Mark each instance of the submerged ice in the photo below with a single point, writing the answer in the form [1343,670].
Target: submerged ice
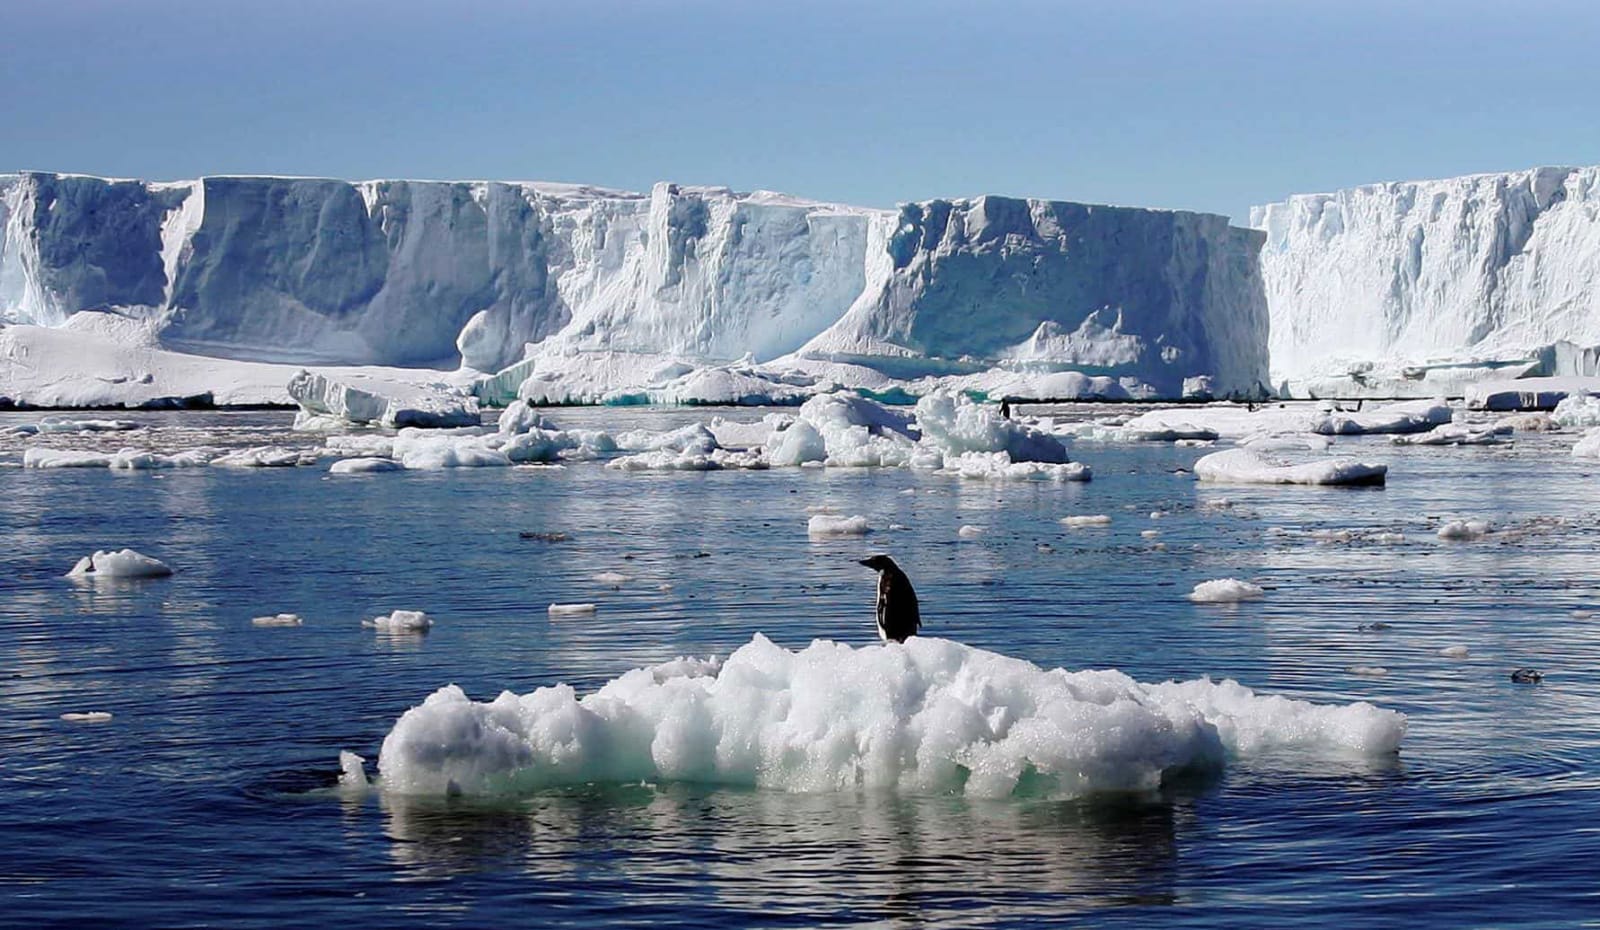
[929,716]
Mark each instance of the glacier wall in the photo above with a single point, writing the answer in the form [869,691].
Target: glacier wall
[483,274]
[1481,271]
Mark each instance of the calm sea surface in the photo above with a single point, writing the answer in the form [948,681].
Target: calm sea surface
[205,801]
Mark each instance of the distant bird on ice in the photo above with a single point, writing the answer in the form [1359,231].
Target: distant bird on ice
[898,617]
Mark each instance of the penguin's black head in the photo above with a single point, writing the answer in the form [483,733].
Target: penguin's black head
[879,563]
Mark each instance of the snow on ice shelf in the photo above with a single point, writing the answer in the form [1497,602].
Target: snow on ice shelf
[414,273]
[929,716]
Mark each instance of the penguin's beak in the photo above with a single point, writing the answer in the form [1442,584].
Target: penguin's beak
[866,562]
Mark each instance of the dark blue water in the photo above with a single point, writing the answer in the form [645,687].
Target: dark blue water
[204,801]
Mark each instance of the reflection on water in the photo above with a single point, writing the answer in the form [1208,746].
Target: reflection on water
[1482,820]
[866,856]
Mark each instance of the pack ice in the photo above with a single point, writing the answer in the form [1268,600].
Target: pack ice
[929,716]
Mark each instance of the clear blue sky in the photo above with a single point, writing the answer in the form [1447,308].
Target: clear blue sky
[1183,103]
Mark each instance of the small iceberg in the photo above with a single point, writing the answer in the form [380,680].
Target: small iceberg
[401,621]
[571,610]
[123,563]
[823,524]
[277,620]
[1225,591]
[1246,466]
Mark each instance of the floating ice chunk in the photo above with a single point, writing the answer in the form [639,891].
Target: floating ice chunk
[1455,652]
[1225,591]
[352,770]
[362,445]
[1457,434]
[824,524]
[999,465]
[64,458]
[364,466]
[1086,519]
[92,716]
[1464,529]
[1245,466]
[401,621]
[1582,614]
[1578,410]
[928,716]
[666,460]
[265,457]
[123,563]
[76,425]
[955,424]
[571,610]
[1416,416]
[432,449]
[1149,534]
[733,435]
[1368,671]
[277,620]
[368,398]
[611,579]
[124,460]
[1589,446]
[968,531]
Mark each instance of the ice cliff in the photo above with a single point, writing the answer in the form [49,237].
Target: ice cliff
[483,274]
[1412,281]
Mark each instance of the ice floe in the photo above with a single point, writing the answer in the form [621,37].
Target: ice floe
[824,524]
[929,716]
[364,466]
[571,610]
[1086,519]
[122,563]
[401,621]
[122,460]
[266,457]
[1457,434]
[361,398]
[1578,410]
[1464,529]
[1225,591]
[1246,466]
[1588,447]
[277,620]
[91,716]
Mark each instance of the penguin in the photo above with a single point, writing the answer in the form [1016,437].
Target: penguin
[898,617]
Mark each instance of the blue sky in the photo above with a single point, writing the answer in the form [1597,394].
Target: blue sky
[1194,105]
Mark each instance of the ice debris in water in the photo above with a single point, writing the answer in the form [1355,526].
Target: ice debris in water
[611,579]
[1578,410]
[122,460]
[123,563]
[1464,529]
[1225,591]
[1086,519]
[92,716]
[266,457]
[277,620]
[352,770]
[824,524]
[401,621]
[968,531]
[571,610]
[929,716]
[1246,466]
[1589,446]
[1455,652]
[364,466]
[1368,671]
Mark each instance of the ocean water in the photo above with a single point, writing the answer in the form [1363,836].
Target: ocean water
[207,799]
